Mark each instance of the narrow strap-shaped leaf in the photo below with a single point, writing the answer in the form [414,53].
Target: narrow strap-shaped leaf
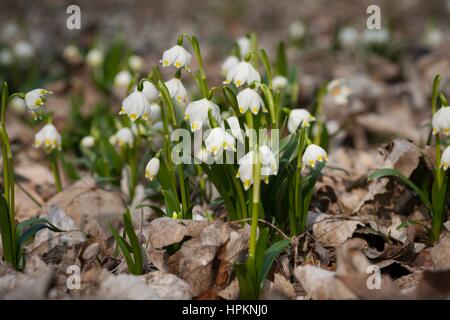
[6,231]
[134,242]
[124,247]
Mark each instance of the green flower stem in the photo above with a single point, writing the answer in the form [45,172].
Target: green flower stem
[298,205]
[438,161]
[240,192]
[184,198]
[55,170]
[255,201]
[168,101]
[8,172]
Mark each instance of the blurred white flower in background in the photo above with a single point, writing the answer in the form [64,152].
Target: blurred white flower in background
[72,54]
[23,50]
[94,58]
[136,63]
[433,37]
[348,37]
[123,137]
[87,142]
[10,31]
[122,80]
[244,45]
[6,57]
[339,90]
[18,104]
[279,82]
[297,30]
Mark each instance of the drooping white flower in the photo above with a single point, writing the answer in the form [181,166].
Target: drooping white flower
[269,166]
[236,130]
[348,37]
[279,82]
[197,113]
[18,104]
[339,91]
[176,56]
[313,154]
[123,137]
[445,159]
[134,105]
[299,117]
[242,73]
[72,54]
[249,99]
[176,90]
[136,63]
[219,140]
[48,138]
[152,168]
[23,50]
[229,64]
[87,142]
[36,98]
[376,36]
[244,45]
[441,121]
[122,80]
[94,58]
[433,37]
[6,57]
[150,91]
[152,112]
[297,30]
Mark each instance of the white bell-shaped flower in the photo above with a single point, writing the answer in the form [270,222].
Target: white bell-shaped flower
[134,105]
[244,45]
[445,159]
[23,50]
[136,63]
[48,138]
[348,37]
[279,82]
[269,164]
[339,91]
[236,130]
[123,137]
[197,113]
[36,98]
[242,73]
[249,99]
[228,64]
[441,121]
[297,30]
[176,90]
[299,117]
[152,112]
[72,54]
[245,171]
[219,140]
[152,169]
[87,142]
[313,154]
[94,58]
[176,56]
[122,80]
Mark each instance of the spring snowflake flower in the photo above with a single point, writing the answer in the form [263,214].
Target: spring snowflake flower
[176,56]
[18,104]
[297,30]
[6,57]
[23,50]
[339,91]
[152,169]
[72,55]
[87,142]
[313,154]
[376,36]
[135,104]
[36,98]
[94,58]
[445,159]
[348,37]
[122,80]
[229,64]
[269,166]
[299,117]
[441,121]
[236,130]
[249,99]
[152,112]
[123,137]
[242,73]
[244,45]
[48,138]
[279,82]
[176,90]
[136,63]
[219,140]
[150,91]
[197,113]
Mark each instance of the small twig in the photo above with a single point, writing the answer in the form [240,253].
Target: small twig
[267,223]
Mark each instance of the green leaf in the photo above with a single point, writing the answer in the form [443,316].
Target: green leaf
[388,172]
[172,203]
[124,247]
[134,242]
[281,65]
[6,231]
[270,256]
